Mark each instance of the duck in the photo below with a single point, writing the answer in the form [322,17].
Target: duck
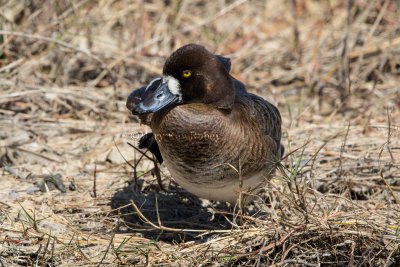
[218,141]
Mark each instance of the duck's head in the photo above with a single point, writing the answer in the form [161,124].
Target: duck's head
[190,75]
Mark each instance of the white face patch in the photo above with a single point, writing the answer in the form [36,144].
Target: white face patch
[173,85]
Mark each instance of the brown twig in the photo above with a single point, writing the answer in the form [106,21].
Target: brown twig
[64,44]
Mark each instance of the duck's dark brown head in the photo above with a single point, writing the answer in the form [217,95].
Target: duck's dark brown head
[190,75]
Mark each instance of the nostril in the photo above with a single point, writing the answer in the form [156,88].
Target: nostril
[159,96]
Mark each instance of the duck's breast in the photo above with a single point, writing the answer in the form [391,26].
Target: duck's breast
[203,144]
[208,151]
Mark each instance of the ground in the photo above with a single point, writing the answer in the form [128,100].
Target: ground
[76,193]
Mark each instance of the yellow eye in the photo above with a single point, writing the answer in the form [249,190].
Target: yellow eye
[187,73]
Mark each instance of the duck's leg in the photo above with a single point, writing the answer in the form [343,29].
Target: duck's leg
[148,141]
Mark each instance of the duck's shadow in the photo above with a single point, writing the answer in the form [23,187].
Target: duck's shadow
[175,209]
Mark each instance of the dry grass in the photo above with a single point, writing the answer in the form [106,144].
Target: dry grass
[66,68]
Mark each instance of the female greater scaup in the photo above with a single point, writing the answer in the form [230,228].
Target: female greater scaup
[214,137]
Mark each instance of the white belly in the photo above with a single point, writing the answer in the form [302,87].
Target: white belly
[227,190]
